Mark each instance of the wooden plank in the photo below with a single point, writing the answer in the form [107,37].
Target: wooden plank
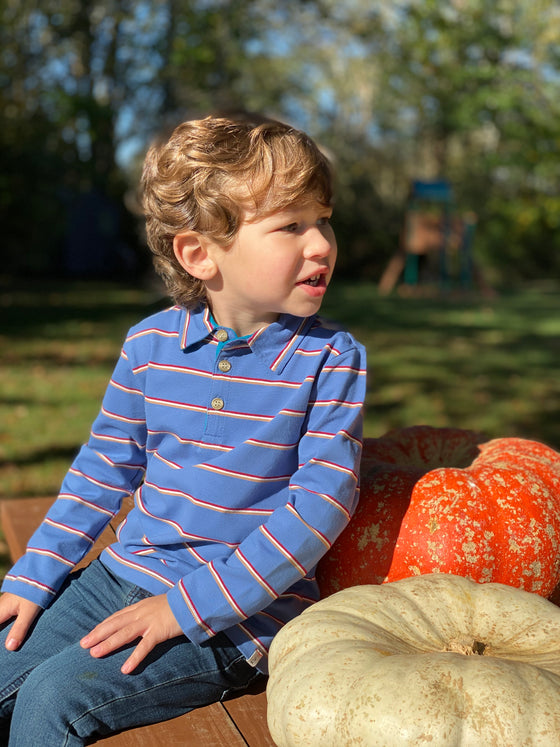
[20,517]
[249,714]
[205,727]
[108,535]
[127,504]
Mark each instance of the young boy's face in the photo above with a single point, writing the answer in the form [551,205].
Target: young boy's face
[281,263]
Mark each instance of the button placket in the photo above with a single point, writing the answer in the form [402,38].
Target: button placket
[217,403]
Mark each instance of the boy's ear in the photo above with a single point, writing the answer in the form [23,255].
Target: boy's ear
[193,252]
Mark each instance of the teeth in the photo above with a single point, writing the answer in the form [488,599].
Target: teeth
[314,280]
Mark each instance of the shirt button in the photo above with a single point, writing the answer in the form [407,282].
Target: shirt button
[221,335]
[224,365]
[217,403]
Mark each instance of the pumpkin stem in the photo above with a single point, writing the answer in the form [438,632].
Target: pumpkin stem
[468,648]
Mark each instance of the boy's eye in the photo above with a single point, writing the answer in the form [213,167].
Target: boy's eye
[324,221]
[290,228]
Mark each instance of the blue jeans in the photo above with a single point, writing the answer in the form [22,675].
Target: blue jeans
[53,692]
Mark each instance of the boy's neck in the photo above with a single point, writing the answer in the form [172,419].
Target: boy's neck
[241,323]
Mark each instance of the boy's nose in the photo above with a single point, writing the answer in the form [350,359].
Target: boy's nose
[318,244]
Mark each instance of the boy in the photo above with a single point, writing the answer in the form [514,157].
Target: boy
[235,420]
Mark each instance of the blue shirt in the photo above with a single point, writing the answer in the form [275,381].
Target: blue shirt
[243,458]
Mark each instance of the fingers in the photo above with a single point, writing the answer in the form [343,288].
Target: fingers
[105,639]
[21,626]
[24,612]
[8,608]
[138,655]
[117,631]
[149,622]
[114,632]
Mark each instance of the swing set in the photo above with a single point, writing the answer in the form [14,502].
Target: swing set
[436,241]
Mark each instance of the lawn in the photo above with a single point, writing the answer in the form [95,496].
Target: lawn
[489,364]
[486,364]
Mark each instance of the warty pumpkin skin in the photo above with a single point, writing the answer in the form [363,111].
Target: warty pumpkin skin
[435,660]
[443,500]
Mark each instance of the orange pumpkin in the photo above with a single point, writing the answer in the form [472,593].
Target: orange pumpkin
[443,500]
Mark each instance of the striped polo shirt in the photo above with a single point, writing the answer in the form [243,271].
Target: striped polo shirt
[242,455]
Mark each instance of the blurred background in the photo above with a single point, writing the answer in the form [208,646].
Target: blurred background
[462,90]
[442,118]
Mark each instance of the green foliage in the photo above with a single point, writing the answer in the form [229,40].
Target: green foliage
[215,62]
[412,89]
[467,90]
[32,210]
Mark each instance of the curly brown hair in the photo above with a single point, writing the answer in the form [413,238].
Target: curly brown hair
[210,173]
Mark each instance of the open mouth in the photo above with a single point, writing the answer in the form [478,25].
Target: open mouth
[314,281]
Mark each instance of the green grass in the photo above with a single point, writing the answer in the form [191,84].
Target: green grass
[59,347]
[489,364]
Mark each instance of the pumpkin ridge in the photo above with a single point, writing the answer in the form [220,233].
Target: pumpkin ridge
[496,517]
[501,689]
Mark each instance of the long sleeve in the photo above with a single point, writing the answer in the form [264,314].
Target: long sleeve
[108,468]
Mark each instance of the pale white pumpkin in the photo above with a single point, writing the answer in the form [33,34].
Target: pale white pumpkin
[434,660]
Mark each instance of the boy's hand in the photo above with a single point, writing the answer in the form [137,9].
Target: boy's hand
[151,620]
[25,613]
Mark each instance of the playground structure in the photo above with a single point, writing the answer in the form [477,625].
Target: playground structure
[436,241]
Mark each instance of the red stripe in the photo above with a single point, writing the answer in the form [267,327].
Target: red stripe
[194,612]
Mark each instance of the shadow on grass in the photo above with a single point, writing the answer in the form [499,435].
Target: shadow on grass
[484,364]
[41,456]
[37,309]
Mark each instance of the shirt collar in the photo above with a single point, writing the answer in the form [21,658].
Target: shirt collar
[274,343]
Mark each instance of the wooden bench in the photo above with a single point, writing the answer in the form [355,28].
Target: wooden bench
[240,721]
